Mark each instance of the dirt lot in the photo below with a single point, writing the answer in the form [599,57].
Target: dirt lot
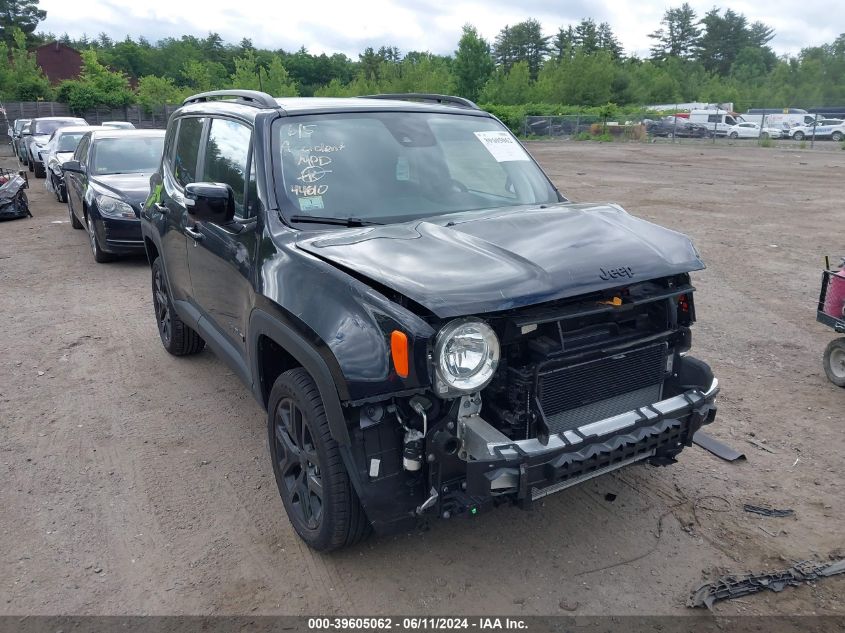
[139,483]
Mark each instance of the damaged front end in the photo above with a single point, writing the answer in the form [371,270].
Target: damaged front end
[559,393]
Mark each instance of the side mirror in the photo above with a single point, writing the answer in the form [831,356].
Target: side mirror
[210,201]
[72,165]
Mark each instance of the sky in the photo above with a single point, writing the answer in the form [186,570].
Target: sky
[349,26]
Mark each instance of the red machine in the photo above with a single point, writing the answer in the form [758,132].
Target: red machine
[831,312]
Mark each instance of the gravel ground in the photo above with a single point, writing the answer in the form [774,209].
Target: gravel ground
[139,483]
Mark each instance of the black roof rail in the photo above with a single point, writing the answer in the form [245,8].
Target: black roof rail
[422,96]
[247,97]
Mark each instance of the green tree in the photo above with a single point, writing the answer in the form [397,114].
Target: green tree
[370,63]
[679,34]
[725,36]
[608,41]
[523,42]
[587,36]
[252,75]
[585,79]
[19,15]
[509,87]
[21,79]
[277,82]
[96,86]
[564,43]
[155,91]
[473,63]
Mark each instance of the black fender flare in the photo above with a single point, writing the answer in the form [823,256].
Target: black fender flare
[263,324]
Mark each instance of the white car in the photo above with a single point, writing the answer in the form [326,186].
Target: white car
[825,128]
[752,130]
[118,125]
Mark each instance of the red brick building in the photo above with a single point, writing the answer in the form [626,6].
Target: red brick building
[59,61]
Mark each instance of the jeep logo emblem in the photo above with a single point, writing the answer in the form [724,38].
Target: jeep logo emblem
[616,273]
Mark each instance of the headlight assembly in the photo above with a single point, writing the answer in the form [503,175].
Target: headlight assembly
[114,208]
[466,354]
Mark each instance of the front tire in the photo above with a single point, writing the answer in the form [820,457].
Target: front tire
[61,196]
[319,499]
[100,256]
[734,135]
[834,362]
[798,136]
[176,336]
[836,136]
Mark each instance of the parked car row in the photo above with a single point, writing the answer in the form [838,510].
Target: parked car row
[101,172]
[30,138]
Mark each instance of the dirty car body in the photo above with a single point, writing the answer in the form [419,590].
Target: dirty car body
[474,337]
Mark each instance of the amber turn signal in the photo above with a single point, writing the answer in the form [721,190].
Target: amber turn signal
[399,351]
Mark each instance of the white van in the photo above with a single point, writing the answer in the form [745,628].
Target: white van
[780,119]
[718,121]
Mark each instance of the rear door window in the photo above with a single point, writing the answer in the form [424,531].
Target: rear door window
[81,152]
[187,150]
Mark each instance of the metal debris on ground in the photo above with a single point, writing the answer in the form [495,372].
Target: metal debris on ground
[716,447]
[729,587]
[763,447]
[768,512]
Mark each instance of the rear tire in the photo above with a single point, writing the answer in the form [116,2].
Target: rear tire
[834,361]
[313,482]
[74,222]
[836,136]
[39,170]
[177,338]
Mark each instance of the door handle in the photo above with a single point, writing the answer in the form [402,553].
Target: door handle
[196,235]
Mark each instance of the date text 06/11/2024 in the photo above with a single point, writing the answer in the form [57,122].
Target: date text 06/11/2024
[416,623]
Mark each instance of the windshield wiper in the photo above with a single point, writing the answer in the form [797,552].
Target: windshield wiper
[317,219]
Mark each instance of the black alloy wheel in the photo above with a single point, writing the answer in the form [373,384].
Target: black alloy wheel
[299,465]
[162,308]
[319,498]
[176,336]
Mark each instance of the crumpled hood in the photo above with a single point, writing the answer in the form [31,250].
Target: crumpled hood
[508,258]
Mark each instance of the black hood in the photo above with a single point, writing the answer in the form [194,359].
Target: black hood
[134,188]
[471,264]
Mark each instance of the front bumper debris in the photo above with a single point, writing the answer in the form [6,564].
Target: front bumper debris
[529,469]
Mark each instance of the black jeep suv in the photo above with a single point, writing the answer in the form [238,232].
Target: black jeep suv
[431,326]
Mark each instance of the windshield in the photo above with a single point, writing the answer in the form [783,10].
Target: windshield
[399,166]
[68,142]
[127,155]
[48,127]
[19,124]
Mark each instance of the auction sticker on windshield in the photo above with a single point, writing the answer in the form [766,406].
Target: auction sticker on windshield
[502,146]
